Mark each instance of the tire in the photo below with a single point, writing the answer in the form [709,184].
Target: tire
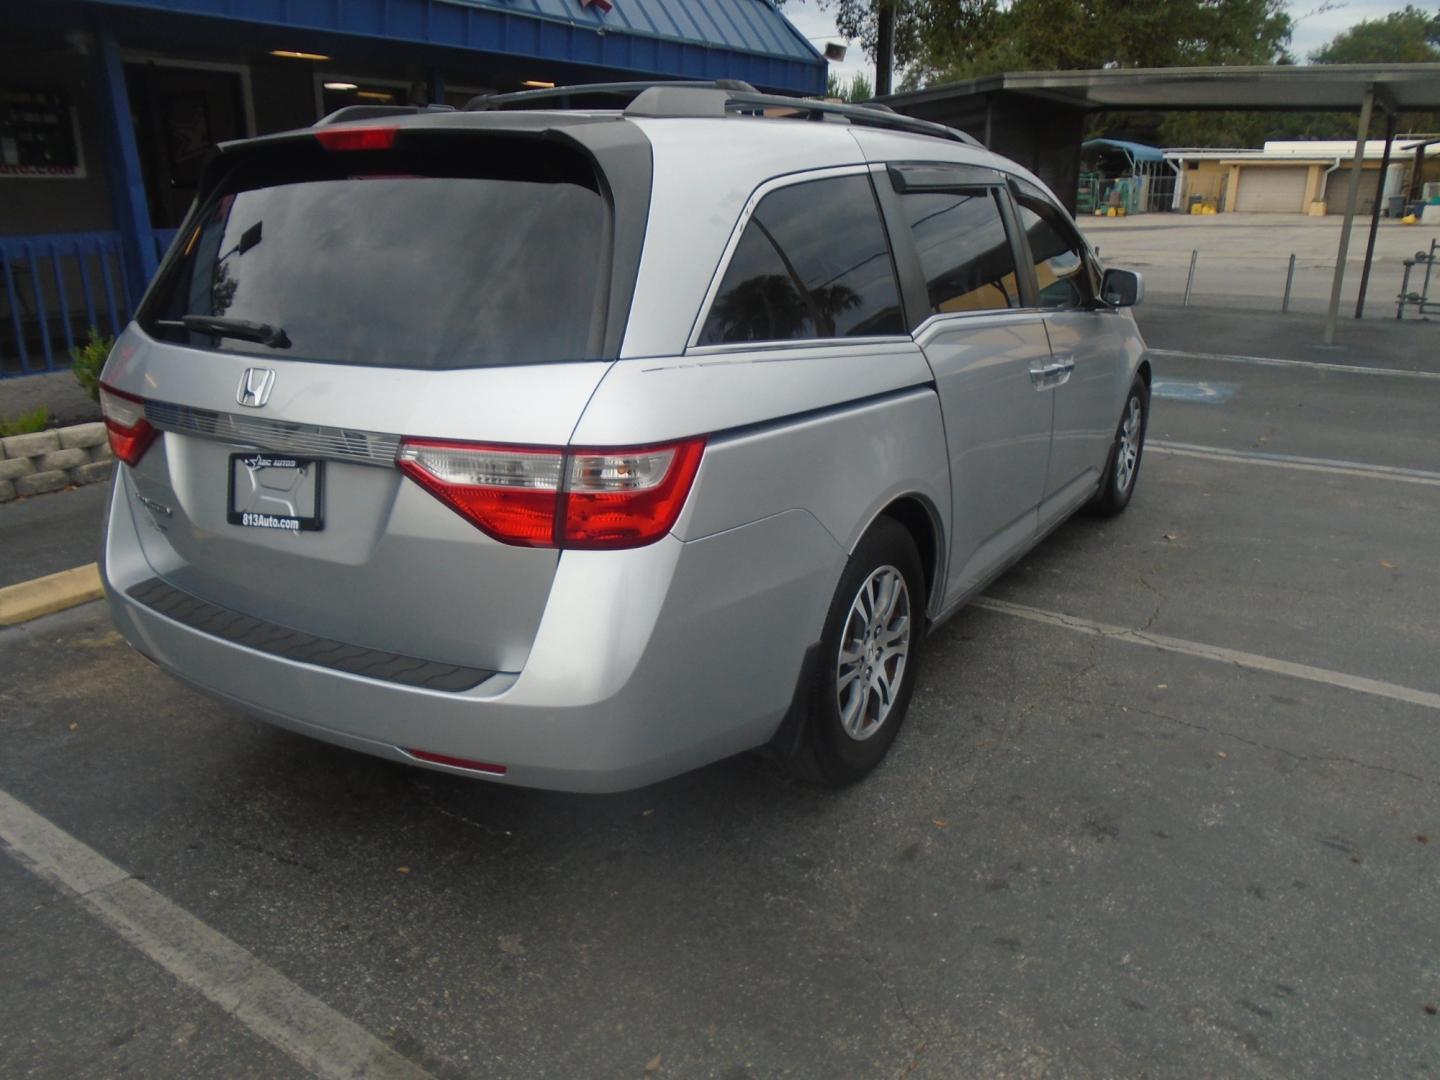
[1122,467]
[850,721]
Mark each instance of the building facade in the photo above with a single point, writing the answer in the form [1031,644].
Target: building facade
[109,108]
[1297,177]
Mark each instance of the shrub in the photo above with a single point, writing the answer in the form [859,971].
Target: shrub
[87,360]
[37,419]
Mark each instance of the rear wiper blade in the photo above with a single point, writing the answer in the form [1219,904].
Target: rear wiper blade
[242,329]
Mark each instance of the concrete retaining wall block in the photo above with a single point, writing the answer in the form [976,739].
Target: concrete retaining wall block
[93,472]
[41,482]
[13,468]
[33,445]
[62,459]
[51,460]
[82,436]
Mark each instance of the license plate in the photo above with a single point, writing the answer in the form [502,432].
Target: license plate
[275,491]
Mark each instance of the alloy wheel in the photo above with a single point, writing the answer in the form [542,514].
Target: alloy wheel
[874,648]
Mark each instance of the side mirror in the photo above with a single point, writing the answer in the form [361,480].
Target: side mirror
[1121,288]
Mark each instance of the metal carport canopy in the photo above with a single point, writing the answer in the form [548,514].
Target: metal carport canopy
[1395,88]
[1266,88]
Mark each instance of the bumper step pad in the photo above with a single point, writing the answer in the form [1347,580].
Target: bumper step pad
[303,648]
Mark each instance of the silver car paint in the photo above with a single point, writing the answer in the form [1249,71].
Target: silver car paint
[997,422]
[620,668]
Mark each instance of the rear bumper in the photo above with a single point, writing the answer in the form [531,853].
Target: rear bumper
[647,663]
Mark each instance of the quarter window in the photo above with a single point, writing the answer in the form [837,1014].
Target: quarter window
[1061,273]
[813,262]
[964,251]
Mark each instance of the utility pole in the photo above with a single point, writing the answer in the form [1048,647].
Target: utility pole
[884,45]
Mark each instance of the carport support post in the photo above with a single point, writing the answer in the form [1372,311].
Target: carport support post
[1375,211]
[1352,194]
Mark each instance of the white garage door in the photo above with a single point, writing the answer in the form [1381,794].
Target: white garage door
[1339,184]
[1272,189]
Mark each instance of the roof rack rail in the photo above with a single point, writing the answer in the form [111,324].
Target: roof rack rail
[598,95]
[373,112]
[718,97]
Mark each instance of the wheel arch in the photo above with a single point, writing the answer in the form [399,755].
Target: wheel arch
[917,515]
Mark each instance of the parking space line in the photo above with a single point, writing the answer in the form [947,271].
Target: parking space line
[1314,365]
[1235,657]
[270,1005]
[1290,461]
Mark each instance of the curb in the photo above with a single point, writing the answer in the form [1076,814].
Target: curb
[45,595]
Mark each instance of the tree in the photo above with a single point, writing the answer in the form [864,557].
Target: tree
[979,37]
[859,90]
[856,91]
[1409,36]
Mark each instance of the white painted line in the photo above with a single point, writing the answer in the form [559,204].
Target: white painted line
[1314,365]
[1290,461]
[270,1005]
[1253,661]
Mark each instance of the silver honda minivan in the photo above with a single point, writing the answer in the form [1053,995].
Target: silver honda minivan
[582,437]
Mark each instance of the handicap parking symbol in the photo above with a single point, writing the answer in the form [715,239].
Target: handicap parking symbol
[1201,391]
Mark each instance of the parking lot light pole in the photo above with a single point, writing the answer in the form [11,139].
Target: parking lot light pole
[1352,194]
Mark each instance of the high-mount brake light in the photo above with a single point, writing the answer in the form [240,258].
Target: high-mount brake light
[357,138]
[548,497]
[129,432]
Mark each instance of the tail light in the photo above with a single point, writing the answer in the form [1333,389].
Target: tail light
[542,497]
[130,433]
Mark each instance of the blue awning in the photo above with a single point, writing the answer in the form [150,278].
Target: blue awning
[687,39]
[1137,151]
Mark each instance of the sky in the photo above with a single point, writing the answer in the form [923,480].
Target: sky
[1313,27]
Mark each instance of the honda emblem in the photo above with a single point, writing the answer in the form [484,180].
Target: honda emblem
[255,386]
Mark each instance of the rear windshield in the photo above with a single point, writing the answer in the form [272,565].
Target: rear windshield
[445,254]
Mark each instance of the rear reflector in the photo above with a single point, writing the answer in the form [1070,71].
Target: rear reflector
[357,138]
[544,497]
[130,433]
[457,762]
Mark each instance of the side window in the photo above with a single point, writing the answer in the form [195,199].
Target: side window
[813,262]
[1060,269]
[964,250]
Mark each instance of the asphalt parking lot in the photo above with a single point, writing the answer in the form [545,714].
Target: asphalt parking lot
[1242,259]
[1167,804]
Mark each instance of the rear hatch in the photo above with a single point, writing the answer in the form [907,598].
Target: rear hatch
[333,294]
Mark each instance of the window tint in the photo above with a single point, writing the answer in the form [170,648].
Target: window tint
[813,262]
[437,256]
[964,250]
[1060,268]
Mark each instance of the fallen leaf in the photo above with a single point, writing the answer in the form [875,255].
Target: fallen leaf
[653,1065]
[1387,564]
[1432,1009]
[940,823]
[1172,536]
[1162,686]
[1222,754]
[647,813]
[402,869]
[73,726]
[1422,838]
